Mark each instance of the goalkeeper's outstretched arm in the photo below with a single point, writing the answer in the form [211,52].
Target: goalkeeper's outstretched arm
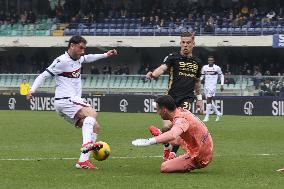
[163,138]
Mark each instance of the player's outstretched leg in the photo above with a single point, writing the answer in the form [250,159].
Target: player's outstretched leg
[280,170]
[89,123]
[91,146]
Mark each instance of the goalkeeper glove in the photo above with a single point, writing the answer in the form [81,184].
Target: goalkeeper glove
[144,142]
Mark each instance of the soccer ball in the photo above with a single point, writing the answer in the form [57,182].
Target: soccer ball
[103,153]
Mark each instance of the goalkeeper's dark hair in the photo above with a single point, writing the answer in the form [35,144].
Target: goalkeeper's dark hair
[76,39]
[166,102]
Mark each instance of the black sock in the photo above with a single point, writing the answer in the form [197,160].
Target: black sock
[175,149]
[167,145]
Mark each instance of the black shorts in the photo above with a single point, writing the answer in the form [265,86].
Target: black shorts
[185,103]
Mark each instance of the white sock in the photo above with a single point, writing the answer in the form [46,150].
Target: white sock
[208,109]
[87,129]
[94,137]
[87,132]
[215,109]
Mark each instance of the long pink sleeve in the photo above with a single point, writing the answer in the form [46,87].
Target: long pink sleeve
[169,135]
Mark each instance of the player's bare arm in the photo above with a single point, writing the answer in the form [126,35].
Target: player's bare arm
[157,72]
[198,87]
[199,102]
[29,96]
[37,83]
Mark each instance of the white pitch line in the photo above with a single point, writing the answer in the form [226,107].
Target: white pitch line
[115,157]
[69,158]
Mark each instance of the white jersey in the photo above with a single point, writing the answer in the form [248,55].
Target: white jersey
[67,73]
[210,75]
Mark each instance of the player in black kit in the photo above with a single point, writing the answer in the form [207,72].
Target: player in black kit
[184,83]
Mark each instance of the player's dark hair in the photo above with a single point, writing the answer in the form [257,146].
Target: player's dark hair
[211,56]
[76,39]
[187,34]
[167,102]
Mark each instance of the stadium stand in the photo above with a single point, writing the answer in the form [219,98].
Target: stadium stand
[244,85]
[134,18]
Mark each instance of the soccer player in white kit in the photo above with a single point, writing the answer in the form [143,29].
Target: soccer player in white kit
[67,101]
[210,74]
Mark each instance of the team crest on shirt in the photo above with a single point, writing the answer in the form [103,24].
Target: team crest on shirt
[73,74]
[76,73]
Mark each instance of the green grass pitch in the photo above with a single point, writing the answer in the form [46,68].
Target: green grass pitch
[39,150]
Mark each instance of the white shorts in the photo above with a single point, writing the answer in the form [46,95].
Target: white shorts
[209,92]
[67,108]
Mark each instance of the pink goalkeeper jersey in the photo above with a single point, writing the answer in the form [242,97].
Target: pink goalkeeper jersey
[195,137]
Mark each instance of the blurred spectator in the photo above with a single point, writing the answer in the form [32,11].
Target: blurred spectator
[59,11]
[106,70]
[20,61]
[2,17]
[229,79]
[24,87]
[257,77]
[125,70]
[144,69]
[117,70]
[1,64]
[276,87]
[94,70]
[265,89]
[245,10]
[248,72]
[267,73]
[31,18]
[270,15]
[209,27]
[281,94]
[23,18]
[144,21]
[14,18]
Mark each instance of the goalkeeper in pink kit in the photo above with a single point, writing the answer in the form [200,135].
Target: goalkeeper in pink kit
[187,131]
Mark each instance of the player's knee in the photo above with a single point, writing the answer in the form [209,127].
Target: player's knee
[90,120]
[93,114]
[88,112]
